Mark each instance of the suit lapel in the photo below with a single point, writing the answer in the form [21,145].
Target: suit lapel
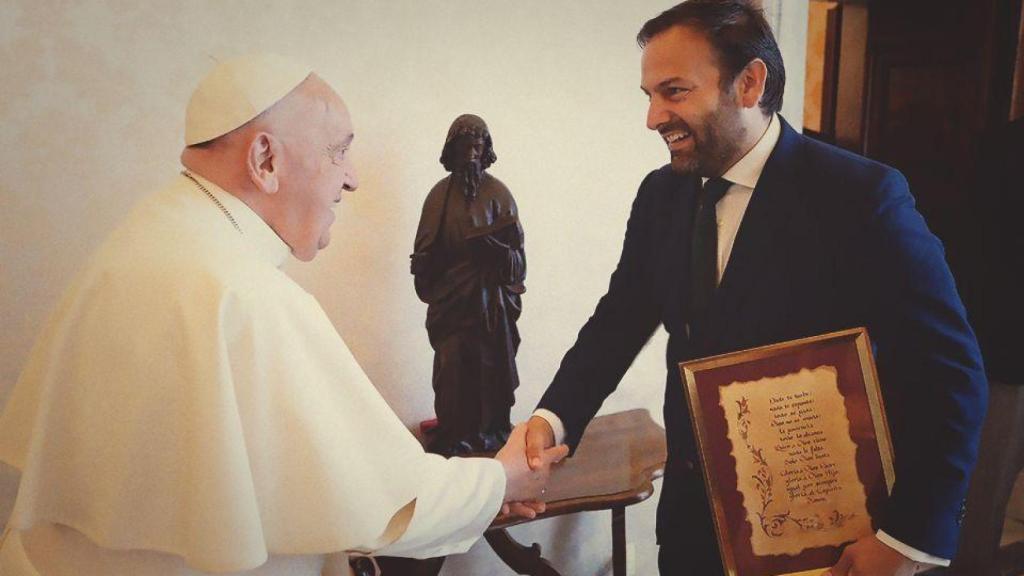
[677,255]
[756,236]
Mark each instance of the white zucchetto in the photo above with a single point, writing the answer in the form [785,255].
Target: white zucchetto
[238,90]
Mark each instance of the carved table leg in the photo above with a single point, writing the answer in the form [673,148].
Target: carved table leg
[410,567]
[522,559]
[619,541]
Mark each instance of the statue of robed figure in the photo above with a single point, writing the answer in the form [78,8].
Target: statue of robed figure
[469,267]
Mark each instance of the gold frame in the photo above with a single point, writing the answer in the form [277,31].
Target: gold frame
[858,338]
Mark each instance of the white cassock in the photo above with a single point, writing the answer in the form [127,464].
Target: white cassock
[190,409]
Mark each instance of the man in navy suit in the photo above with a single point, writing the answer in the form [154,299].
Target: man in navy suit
[801,239]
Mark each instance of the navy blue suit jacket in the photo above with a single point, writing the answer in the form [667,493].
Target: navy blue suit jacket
[830,240]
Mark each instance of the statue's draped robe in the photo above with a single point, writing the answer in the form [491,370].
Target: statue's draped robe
[472,285]
[190,409]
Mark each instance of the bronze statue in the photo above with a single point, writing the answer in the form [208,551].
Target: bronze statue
[469,268]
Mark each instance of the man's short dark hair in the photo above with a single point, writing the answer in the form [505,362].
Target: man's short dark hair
[739,33]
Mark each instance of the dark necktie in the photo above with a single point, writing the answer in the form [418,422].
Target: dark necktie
[704,249]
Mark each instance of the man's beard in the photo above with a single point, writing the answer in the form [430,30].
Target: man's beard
[471,174]
[715,142]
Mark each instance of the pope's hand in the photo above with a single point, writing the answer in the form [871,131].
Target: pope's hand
[528,509]
[525,484]
[869,556]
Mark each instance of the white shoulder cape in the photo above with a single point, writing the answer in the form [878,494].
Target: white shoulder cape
[188,397]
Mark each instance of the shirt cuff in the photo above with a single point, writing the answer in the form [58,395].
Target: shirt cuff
[554,421]
[912,553]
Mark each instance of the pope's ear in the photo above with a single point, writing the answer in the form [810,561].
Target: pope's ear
[263,159]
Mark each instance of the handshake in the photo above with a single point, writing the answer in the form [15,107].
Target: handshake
[527,457]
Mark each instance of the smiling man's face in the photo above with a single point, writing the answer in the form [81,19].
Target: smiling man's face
[698,121]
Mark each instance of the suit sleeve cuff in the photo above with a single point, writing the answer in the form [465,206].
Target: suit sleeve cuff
[554,421]
[912,553]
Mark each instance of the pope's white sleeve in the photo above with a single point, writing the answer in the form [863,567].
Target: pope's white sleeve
[459,499]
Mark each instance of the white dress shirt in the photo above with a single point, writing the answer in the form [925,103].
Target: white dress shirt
[744,175]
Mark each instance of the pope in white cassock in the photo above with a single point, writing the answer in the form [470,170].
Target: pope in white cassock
[189,409]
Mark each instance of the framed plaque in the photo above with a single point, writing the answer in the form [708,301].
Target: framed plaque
[795,450]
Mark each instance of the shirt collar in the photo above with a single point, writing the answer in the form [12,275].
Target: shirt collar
[255,231]
[747,171]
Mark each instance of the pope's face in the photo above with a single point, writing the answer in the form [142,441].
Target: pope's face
[322,170]
[699,122]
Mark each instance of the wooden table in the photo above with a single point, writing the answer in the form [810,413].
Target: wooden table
[613,467]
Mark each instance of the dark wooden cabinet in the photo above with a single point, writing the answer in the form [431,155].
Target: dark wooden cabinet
[918,84]
[939,77]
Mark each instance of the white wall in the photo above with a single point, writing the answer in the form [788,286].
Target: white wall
[789,21]
[91,100]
